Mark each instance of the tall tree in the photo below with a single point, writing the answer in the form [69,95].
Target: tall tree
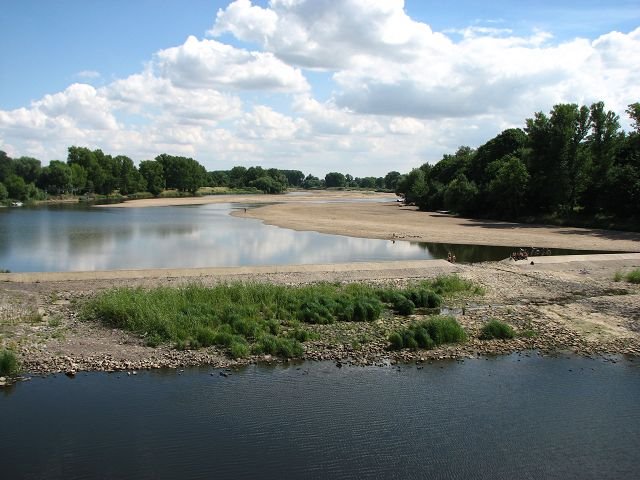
[153,174]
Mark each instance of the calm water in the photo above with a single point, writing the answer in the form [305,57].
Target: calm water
[506,417]
[75,238]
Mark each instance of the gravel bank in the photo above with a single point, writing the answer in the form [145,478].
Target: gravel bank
[566,305]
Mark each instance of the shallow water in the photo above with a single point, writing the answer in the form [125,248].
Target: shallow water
[76,238]
[518,416]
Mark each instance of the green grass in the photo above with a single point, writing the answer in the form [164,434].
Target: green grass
[453,285]
[618,277]
[496,329]
[9,365]
[633,276]
[257,318]
[437,330]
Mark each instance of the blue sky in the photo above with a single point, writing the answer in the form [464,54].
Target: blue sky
[353,101]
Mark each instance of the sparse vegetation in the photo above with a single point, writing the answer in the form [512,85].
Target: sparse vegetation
[495,329]
[255,318]
[632,277]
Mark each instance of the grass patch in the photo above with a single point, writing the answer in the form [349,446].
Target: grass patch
[453,285]
[496,329]
[633,276]
[9,365]
[618,276]
[246,318]
[437,330]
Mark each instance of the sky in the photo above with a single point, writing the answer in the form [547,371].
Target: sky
[356,86]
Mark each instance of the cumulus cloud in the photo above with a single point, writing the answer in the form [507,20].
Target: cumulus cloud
[398,93]
[211,64]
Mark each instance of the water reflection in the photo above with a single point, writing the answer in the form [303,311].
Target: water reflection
[75,238]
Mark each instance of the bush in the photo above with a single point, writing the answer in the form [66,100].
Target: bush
[633,276]
[395,339]
[427,334]
[444,329]
[402,305]
[9,365]
[496,329]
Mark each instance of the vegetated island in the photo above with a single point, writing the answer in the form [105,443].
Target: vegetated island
[49,322]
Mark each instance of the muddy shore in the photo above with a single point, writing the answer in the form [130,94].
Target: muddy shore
[557,304]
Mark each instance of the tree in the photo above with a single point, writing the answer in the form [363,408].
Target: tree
[391,180]
[3,192]
[311,182]
[181,173]
[603,144]
[6,166]
[153,174]
[28,168]
[237,177]
[55,178]
[508,186]
[128,176]
[335,179]
[505,143]
[294,177]
[268,184]
[16,187]
[414,188]
[78,178]
[460,195]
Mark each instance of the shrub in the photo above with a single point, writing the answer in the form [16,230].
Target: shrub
[633,276]
[9,365]
[402,305]
[395,339]
[444,329]
[496,329]
[428,334]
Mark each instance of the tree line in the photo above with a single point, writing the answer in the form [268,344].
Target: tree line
[574,162]
[87,172]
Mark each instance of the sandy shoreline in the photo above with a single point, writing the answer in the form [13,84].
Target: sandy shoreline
[337,213]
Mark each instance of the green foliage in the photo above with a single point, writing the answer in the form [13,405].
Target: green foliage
[9,365]
[428,334]
[496,329]
[452,285]
[633,276]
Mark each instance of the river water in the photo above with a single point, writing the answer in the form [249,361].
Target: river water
[518,416]
[77,238]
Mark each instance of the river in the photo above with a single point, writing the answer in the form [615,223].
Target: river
[517,416]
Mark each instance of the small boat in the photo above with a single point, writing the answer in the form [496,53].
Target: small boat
[17,204]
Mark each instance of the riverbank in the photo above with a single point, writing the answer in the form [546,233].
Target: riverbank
[556,306]
[368,215]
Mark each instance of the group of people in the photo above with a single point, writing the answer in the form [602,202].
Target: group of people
[520,254]
[451,258]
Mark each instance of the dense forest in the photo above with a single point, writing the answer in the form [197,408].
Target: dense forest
[574,164]
[88,172]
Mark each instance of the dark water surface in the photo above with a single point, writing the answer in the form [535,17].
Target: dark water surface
[508,417]
[76,238]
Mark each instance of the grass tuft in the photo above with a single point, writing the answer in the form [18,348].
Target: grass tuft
[496,329]
[428,334]
[9,365]
[633,276]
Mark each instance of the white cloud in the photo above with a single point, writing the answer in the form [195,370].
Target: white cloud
[211,64]
[399,94]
